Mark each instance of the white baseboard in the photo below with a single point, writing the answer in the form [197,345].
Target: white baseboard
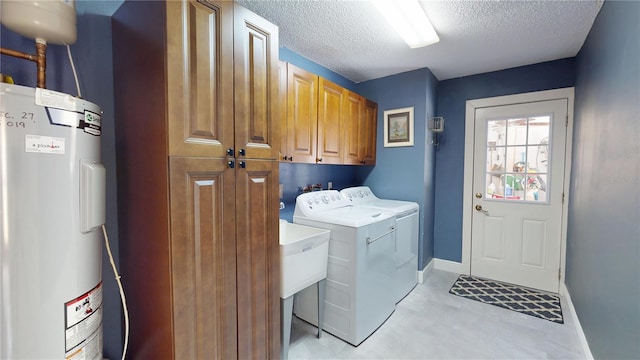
[440,264]
[424,273]
[583,339]
[448,265]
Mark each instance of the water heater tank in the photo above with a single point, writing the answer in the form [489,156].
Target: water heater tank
[51,20]
[52,198]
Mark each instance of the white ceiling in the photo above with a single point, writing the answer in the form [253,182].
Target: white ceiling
[352,39]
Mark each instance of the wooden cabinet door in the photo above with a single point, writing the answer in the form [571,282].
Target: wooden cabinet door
[199,56]
[258,259]
[282,100]
[330,122]
[257,129]
[353,126]
[203,265]
[302,115]
[369,133]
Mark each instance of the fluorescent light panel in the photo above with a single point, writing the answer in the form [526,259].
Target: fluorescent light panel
[408,18]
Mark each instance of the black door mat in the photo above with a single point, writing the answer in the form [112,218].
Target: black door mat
[513,297]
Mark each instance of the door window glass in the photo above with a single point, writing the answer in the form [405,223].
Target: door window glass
[518,159]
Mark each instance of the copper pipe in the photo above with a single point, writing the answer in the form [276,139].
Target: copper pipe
[18,54]
[40,58]
[41,63]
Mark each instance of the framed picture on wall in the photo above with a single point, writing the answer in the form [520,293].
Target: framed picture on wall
[398,127]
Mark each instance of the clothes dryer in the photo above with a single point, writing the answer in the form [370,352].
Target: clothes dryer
[406,241]
[360,265]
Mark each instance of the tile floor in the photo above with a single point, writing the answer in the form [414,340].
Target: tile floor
[430,323]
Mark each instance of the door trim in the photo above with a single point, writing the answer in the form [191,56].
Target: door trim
[469,132]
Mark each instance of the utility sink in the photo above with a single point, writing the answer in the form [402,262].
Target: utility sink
[304,252]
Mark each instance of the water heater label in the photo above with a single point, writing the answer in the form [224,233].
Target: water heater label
[44,144]
[83,324]
[92,123]
[55,99]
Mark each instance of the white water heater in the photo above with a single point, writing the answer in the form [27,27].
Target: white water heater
[52,198]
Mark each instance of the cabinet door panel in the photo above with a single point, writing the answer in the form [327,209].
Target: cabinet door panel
[353,126]
[369,132]
[282,100]
[256,85]
[258,255]
[203,258]
[199,56]
[302,114]
[330,123]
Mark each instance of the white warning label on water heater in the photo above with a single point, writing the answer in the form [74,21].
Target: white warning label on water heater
[83,325]
[44,144]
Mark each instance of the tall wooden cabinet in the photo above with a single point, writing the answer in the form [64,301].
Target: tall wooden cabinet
[197,137]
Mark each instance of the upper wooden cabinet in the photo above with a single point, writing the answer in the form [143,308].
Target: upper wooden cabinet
[331,122]
[354,127]
[301,124]
[325,123]
[368,137]
[197,140]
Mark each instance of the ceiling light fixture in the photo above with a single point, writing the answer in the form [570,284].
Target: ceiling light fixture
[408,18]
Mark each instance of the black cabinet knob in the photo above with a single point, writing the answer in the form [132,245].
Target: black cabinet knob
[231,164]
[241,152]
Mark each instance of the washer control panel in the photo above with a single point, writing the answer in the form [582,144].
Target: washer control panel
[321,200]
[359,194]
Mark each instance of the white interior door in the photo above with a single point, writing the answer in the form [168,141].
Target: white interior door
[518,180]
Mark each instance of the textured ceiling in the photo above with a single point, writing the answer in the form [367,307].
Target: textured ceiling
[352,39]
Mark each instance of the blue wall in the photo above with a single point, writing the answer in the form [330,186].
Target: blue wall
[405,173]
[92,57]
[449,168]
[603,240]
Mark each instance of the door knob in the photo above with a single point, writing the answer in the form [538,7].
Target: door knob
[479,195]
[480,209]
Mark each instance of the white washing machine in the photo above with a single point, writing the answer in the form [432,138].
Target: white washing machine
[360,266]
[407,227]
